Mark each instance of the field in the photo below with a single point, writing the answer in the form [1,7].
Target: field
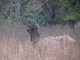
[15,44]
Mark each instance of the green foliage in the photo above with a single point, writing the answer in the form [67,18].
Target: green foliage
[37,11]
[4,1]
[73,16]
[73,11]
[31,11]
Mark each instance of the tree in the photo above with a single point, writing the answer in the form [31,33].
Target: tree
[32,11]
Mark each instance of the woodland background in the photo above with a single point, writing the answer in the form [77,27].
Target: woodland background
[53,17]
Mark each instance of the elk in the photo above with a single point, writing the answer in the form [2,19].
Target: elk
[33,31]
[62,45]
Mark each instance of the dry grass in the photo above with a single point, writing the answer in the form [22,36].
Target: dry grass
[22,50]
[16,46]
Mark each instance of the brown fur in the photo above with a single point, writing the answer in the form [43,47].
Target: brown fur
[33,31]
